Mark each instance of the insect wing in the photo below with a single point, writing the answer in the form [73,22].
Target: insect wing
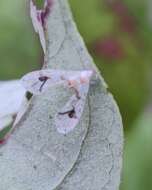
[66,123]
[63,122]
[37,82]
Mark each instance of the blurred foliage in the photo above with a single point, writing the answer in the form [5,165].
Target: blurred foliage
[137,171]
[127,75]
[19,48]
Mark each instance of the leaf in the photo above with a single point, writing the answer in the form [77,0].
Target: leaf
[138,141]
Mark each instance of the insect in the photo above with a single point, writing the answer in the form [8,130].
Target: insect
[68,117]
[39,20]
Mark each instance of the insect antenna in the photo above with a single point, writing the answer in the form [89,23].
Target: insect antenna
[43,79]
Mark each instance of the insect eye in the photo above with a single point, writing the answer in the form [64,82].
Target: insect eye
[43,78]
